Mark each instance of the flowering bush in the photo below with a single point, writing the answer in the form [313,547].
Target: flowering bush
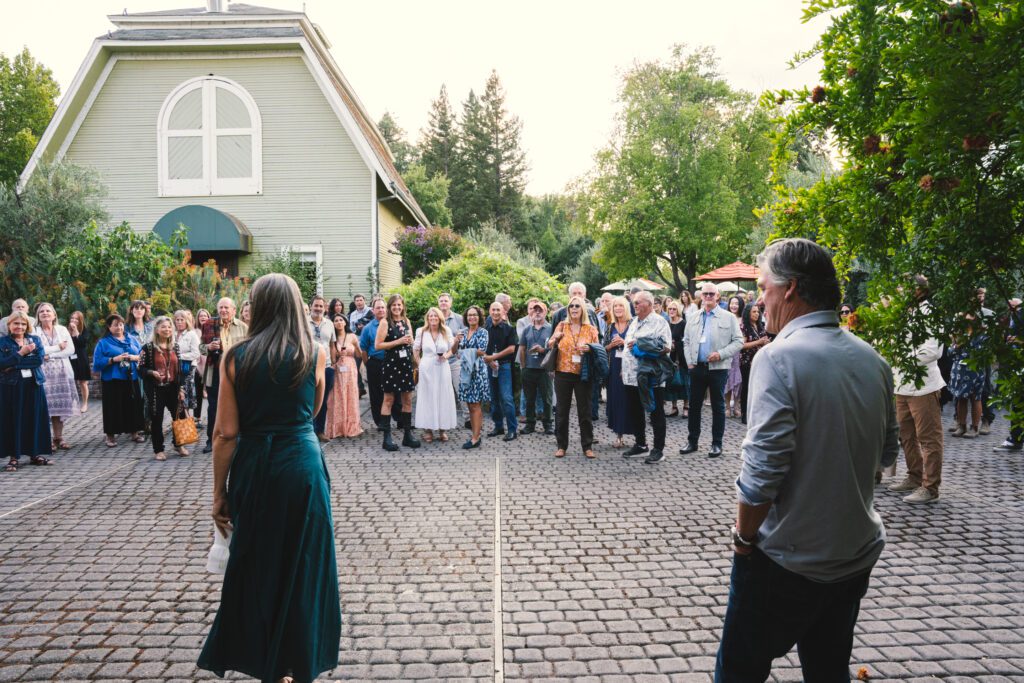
[422,249]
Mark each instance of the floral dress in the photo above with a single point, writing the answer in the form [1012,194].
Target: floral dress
[475,383]
[965,383]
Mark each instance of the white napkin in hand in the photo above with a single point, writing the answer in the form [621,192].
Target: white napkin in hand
[217,561]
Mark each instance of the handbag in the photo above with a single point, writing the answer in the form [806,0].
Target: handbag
[550,359]
[184,429]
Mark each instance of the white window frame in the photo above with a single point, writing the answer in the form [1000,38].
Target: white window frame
[209,184]
[317,252]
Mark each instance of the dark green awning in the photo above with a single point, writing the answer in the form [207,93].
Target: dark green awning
[209,229]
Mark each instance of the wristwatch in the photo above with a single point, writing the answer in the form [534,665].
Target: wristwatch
[740,541]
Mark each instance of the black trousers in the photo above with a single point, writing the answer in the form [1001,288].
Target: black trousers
[200,388]
[702,379]
[212,392]
[537,382]
[163,397]
[567,386]
[375,385]
[657,417]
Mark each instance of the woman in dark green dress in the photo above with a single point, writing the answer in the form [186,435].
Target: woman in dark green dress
[279,616]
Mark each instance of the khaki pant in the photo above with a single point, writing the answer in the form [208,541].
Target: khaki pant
[920,419]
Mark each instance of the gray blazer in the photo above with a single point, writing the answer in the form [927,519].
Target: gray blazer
[724,331]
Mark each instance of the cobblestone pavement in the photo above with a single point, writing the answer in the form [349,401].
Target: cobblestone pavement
[610,570]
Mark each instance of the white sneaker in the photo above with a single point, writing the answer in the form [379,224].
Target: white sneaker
[921,496]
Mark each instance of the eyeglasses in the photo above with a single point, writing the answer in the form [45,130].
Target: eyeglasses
[708,295]
[575,306]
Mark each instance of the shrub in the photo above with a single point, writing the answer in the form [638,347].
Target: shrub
[474,277]
[421,249]
[307,274]
[191,287]
[104,270]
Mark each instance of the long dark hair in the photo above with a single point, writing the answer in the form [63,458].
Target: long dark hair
[743,305]
[278,332]
[748,324]
[330,309]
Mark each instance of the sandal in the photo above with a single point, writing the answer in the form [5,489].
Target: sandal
[111,442]
[161,456]
[442,437]
[62,445]
[675,412]
[560,453]
[40,460]
[11,466]
[182,452]
[618,443]
[589,453]
[428,436]
[138,438]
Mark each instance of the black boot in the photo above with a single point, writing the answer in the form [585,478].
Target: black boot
[385,426]
[409,440]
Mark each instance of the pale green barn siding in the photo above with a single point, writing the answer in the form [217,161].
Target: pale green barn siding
[316,187]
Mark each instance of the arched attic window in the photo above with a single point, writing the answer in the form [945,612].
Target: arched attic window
[210,140]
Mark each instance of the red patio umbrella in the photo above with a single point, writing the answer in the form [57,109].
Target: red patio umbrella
[737,270]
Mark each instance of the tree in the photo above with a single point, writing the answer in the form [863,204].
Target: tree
[675,191]
[547,225]
[465,197]
[431,194]
[490,169]
[28,98]
[923,99]
[405,154]
[503,175]
[56,205]
[438,142]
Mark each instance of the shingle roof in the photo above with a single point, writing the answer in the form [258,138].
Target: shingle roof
[232,8]
[202,33]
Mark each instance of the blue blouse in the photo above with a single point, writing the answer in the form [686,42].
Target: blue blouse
[107,348]
[12,363]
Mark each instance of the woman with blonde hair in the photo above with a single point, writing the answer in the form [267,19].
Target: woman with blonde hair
[187,340]
[61,393]
[24,420]
[279,617]
[395,339]
[573,338]
[620,417]
[202,315]
[432,348]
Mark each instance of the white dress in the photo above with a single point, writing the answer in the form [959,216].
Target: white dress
[435,397]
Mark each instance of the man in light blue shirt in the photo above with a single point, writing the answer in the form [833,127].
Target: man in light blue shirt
[711,339]
[373,359]
[806,534]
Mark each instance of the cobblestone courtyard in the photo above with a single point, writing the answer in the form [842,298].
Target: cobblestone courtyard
[609,570]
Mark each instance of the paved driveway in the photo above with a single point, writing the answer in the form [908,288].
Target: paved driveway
[609,569]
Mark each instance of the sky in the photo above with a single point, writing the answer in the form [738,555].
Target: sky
[561,61]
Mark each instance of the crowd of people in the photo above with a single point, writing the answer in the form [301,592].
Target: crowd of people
[644,356]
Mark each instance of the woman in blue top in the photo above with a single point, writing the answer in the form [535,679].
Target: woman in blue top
[116,357]
[24,418]
[279,617]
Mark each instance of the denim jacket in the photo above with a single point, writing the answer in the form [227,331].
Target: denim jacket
[11,364]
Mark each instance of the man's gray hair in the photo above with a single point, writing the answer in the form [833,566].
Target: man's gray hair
[503,299]
[710,286]
[807,263]
[577,285]
[645,295]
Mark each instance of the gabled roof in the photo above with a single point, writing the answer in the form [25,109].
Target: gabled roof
[248,25]
[231,8]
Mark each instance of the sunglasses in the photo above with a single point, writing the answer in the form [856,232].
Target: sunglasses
[845,311]
[575,306]
[708,295]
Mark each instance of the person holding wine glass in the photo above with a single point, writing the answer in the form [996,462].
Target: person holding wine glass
[395,338]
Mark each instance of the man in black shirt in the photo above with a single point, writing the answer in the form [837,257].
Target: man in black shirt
[501,348]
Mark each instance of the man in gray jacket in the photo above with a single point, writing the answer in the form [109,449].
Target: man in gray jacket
[807,534]
[711,339]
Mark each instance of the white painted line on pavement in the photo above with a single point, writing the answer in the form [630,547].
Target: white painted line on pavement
[63,491]
[499,643]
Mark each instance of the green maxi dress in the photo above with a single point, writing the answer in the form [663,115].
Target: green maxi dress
[279,613]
